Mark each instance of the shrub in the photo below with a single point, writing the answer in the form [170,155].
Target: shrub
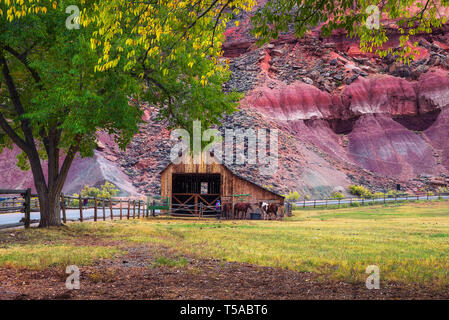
[106,191]
[355,204]
[378,195]
[360,191]
[293,196]
[393,193]
[337,195]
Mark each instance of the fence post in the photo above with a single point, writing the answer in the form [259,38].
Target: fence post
[27,207]
[110,207]
[134,209]
[339,203]
[81,208]
[138,209]
[64,218]
[153,211]
[104,210]
[128,208]
[314,203]
[120,208]
[384,197]
[95,208]
[326,203]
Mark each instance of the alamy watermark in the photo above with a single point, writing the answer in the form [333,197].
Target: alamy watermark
[240,146]
[373,20]
[73,280]
[72,21]
[373,280]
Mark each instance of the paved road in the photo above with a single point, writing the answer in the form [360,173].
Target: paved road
[310,203]
[8,220]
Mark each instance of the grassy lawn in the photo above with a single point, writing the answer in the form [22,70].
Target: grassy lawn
[409,242]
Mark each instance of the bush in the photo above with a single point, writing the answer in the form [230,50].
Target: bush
[360,191]
[293,196]
[393,193]
[337,195]
[378,195]
[355,204]
[106,191]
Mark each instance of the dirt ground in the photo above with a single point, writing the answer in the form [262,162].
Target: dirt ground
[138,275]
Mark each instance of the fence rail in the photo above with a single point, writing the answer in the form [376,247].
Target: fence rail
[23,201]
[356,201]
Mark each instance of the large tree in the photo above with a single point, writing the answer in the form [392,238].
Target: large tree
[58,87]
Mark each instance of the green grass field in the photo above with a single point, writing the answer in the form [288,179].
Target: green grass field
[408,242]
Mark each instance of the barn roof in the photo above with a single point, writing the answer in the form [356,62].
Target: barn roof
[237,175]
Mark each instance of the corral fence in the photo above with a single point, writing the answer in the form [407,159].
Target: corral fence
[208,210]
[378,199]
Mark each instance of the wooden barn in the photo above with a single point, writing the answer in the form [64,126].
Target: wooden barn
[192,187]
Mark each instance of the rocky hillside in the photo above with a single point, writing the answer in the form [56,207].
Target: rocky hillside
[344,117]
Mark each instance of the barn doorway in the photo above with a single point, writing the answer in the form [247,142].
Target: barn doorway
[195,194]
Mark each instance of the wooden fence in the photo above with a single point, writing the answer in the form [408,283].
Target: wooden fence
[26,202]
[128,208]
[22,204]
[379,199]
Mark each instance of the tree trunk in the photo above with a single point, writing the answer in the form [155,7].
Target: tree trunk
[49,193]
[49,209]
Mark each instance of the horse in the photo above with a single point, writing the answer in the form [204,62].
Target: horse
[227,210]
[272,209]
[241,208]
[263,207]
[268,209]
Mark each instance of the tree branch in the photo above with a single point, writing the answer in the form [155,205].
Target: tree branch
[13,135]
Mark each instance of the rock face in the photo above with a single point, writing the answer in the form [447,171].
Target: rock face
[94,171]
[381,145]
[343,117]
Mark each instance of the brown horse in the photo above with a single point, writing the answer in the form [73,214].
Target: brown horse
[272,209]
[227,210]
[241,209]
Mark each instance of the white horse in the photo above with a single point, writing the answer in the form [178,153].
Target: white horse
[264,207]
